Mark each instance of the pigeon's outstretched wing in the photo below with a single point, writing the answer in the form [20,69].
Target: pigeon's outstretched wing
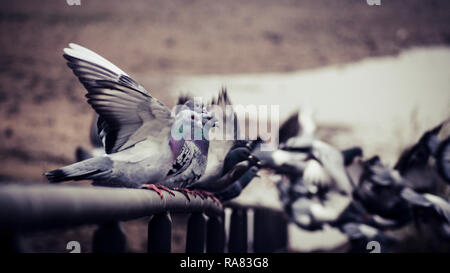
[94,137]
[128,114]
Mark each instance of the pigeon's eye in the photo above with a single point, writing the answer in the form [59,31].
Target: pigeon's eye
[192,117]
[209,118]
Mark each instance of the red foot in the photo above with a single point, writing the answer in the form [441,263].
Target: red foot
[186,192]
[166,189]
[208,194]
[158,189]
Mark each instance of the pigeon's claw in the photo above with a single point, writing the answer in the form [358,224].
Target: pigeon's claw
[162,187]
[212,196]
[186,192]
[158,189]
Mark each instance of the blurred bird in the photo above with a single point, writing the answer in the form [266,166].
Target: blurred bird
[325,166]
[226,179]
[313,211]
[235,189]
[298,129]
[144,143]
[379,191]
[362,237]
[443,159]
[226,150]
[432,217]
[318,163]
[415,165]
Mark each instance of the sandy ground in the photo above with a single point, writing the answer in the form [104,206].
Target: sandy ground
[44,116]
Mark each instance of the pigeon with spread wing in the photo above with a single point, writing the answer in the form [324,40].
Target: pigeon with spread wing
[145,143]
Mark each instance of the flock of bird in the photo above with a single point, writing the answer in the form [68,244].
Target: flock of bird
[141,143]
[364,198]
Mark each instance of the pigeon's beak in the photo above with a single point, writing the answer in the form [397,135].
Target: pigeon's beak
[253,159]
[259,164]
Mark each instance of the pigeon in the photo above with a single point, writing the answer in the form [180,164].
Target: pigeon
[325,166]
[443,160]
[235,189]
[145,143]
[415,164]
[312,212]
[379,191]
[297,128]
[432,217]
[318,163]
[226,150]
[364,238]
[228,178]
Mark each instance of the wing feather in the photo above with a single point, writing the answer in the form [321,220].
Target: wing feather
[127,112]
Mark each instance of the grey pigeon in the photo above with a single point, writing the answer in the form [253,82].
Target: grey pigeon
[363,237]
[225,149]
[443,160]
[379,191]
[235,189]
[432,218]
[302,155]
[144,142]
[224,181]
[415,164]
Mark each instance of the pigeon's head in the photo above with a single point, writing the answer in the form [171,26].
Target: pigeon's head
[192,125]
[238,155]
[187,125]
[195,105]
[235,156]
[209,120]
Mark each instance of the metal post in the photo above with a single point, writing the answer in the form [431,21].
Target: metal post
[196,231]
[215,235]
[10,242]
[270,231]
[109,238]
[160,233]
[238,231]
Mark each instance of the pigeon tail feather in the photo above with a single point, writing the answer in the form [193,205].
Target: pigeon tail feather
[88,169]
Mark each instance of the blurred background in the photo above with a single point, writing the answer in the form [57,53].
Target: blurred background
[375,76]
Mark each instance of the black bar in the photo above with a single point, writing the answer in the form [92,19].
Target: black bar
[270,231]
[109,238]
[160,233]
[238,231]
[215,235]
[196,231]
[10,242]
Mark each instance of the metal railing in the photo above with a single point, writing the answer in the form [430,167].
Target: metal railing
[27,208]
